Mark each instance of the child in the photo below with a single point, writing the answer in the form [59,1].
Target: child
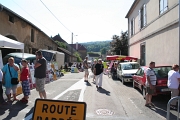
[25,82]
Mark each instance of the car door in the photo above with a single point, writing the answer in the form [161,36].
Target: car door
[135,77]
[139,77]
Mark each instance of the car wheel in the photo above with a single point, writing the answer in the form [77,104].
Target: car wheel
[144,92]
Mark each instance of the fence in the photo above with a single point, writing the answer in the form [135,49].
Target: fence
[168,107]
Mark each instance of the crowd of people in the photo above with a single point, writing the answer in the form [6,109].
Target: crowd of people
[173,82]
[9,79]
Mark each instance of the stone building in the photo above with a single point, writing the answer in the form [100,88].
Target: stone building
[17,28]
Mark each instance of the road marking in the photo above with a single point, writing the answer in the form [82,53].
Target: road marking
[78,85]
[140,111]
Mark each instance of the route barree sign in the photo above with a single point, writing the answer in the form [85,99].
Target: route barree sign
[47,109]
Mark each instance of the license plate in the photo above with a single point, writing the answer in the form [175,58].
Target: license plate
[165,89]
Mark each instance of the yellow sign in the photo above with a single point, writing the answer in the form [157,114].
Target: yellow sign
[46,109]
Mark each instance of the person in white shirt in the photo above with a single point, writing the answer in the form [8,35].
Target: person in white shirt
[2,101]
[173,83]
[150,84]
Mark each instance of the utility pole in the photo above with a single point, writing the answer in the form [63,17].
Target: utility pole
[72,48]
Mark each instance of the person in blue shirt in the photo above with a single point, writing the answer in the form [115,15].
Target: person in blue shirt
[13,68]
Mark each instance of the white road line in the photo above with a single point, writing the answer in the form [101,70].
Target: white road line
[78,85]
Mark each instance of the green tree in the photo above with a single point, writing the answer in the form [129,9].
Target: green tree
[119,45]
[103,51]
[78,57]
[61,44]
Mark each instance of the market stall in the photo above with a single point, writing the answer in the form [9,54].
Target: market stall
[11,44]
[121,57]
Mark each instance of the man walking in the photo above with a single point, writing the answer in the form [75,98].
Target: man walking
[85,65]
[173,84]
[92,69]
[40,74]
[150,84]
[98,72]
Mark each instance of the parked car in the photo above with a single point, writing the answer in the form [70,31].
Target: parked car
[18,57]
[139,79]
[126,70]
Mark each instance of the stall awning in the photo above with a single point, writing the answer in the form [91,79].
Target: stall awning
[9,43]
[120,57]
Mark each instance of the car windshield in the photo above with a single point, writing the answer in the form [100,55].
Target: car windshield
[130,66]
[162,72]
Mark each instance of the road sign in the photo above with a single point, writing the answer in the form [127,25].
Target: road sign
[46,109]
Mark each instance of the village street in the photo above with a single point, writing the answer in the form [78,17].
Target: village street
[114,101]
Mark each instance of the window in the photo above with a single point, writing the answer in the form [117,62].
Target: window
[140,72]
[142,17]
[132,27]
[11,19]
[163,6]
[32,35]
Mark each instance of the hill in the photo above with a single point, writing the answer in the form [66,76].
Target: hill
[97,45]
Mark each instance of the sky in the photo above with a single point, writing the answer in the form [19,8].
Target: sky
[88,20]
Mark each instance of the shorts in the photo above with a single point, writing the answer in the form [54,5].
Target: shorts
[13,88]
[26,88]
[40,83]
[86,71]
[150,91]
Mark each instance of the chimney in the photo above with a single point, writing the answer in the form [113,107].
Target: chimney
[76,45]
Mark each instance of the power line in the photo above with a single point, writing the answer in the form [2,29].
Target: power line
[33,17]
[55,17]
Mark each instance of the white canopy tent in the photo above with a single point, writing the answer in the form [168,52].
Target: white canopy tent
[9,43]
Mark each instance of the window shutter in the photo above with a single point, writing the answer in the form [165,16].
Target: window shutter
[144,12]
[139,20]
[130,28]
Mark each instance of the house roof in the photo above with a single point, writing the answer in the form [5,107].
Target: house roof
[80,47]
[132,7]
[93,55]
[58,38]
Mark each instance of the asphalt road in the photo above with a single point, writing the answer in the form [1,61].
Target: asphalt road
[114,101]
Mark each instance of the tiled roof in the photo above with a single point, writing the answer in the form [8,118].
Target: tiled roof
[58,38]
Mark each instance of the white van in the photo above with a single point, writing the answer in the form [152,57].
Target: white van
[54,56]
[126,70]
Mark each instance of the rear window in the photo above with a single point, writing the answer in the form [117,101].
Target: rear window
[130,66]
[162,72]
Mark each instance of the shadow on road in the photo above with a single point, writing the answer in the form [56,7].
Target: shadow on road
[14,109]
[103,91]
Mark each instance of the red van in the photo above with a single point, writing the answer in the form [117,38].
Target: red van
[139,79]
